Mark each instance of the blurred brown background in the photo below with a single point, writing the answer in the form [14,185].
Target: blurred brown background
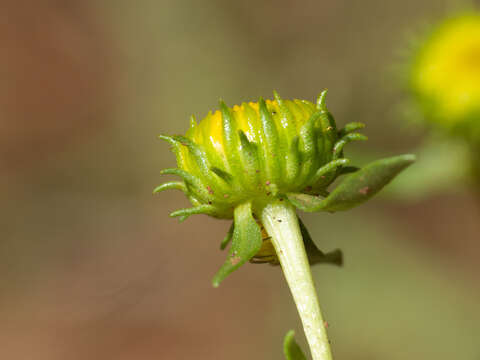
[92,267]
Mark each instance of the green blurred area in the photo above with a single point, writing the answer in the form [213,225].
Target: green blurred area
[91,265]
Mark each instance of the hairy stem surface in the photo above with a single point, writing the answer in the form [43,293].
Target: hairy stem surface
[280,221]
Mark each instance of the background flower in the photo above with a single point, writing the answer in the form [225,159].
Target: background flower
[445,75]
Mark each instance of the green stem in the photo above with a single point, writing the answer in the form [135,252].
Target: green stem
[280,221]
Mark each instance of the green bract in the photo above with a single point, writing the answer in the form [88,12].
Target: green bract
[237,160]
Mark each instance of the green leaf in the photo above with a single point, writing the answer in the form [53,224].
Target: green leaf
[291,349]
[267,253]
[360,186]
[226,240]
[315,256]
[356,188]
[246,242]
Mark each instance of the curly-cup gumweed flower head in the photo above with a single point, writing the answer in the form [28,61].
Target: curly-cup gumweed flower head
[258,162]
[445,75]
[257,151]
[237,160]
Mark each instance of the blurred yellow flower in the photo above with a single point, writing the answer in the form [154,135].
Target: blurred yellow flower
[446,73]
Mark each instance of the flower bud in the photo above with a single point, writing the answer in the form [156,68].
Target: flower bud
[239,161]
[258,151]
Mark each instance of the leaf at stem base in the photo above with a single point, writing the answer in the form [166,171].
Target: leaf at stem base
[291,349]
